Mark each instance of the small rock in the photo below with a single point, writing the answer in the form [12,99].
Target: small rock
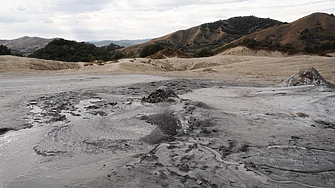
[302,115]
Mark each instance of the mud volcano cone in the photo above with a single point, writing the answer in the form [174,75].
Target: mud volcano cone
[308,76]
[162,94]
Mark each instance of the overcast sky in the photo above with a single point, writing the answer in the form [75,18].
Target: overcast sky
[136,19]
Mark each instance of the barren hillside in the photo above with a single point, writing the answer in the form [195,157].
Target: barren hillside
[13,63]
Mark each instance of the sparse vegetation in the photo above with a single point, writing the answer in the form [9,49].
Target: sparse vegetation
[268,45]
[224,48]
[4,50]
[72,51]
[320,49]
[150,50]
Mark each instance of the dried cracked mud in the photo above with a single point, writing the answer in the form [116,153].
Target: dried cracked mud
[191,133]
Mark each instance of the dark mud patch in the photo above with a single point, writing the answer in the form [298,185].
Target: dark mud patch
[156,137]
[5,130]
[166,122]
[167,126]
[162,94]
[326,124]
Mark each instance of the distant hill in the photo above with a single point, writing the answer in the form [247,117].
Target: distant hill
[314,33]
[209,35]
[72,51]
[25,45]
[124,43]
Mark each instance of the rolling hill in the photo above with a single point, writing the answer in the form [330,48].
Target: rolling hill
[314,33]
[209,35]
[25,45]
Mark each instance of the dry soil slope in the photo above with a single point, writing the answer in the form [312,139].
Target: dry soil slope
[244,51]
[312,30]
[13,63]
[25,45]
[210,35]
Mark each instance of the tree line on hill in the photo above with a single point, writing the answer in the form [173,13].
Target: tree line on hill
[4,50]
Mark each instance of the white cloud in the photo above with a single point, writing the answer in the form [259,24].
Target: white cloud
[21,8]
[80,6]
[133,19]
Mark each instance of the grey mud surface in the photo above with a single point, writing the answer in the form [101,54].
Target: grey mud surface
[91,131]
